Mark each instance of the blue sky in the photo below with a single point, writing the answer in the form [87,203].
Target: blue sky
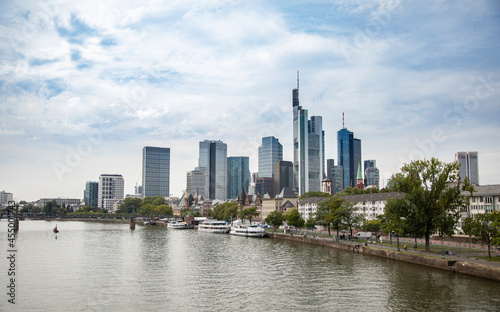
[85,86]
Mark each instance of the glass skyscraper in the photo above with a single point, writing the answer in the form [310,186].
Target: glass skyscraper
[155,171]
[308,148]
[110,191]
[468,162]
[283,175]
[238,176]
[213,161]
[90,195]
[349,156]
[270,151]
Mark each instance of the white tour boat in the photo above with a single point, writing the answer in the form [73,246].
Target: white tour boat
[214,226]
[248,230]
[179,225]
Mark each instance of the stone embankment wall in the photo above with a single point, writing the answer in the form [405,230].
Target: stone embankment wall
[463,267]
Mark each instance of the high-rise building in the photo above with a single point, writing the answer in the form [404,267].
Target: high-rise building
[213,161]
[155,171]
[283,175]
[270,152]
[110,191]
[5,197]
[264,186]
[238,176]
[308,148]
[468,162]
[372,175]
[90,195]
[196,180]
[349,156]
[335,174]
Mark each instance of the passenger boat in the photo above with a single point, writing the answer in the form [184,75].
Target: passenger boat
[214,226]
[248,230]
[179,225]
[150,222]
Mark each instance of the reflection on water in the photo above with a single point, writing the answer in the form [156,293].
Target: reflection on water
[98,267]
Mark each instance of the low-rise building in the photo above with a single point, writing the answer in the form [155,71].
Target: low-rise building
[286,200]
[485,199]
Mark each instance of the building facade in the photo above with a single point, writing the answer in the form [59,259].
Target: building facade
[283,175]
[213,161]
[468,162]
[349,156]
[284,201]
[155,171]
[5,197]
[270,152]
[308,148]
[336,175]
[110,191]
[238,176]
[196,180]
[485,199]
[90,195]
[67,202]
[264,186]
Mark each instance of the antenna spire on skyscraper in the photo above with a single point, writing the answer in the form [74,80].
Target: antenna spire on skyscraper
[343,120]
[297,83]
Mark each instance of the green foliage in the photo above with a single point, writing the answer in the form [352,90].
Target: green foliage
[130,205]
[348,217]
[352,191]
[310,223]
[274,219]
[314,194]
[62,211]
[483,226]
[36,210]
[327,213]
[86,209]
[372,225]
[225,211]
[50,207]
[431,201]
[293,218]
[249,213]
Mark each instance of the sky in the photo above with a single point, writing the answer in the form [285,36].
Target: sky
[84,86]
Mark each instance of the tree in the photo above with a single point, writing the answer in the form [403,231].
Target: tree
[348,217]
[326,213]
[352,191]
[310,223]
[62,211]
[130,205]
[293,218]
[249,213]
[374,225]
[432,200]
[314,194]
[50,207]
[274,219]
[225,211]
[36,210]
[483,227]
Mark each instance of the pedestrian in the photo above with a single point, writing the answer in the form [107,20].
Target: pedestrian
[405,247]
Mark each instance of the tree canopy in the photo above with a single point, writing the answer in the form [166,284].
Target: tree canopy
[483,226]
[314,194]
[224,211]
[327,213]
[432,200]
[274,219]
[293,218]
[249,213]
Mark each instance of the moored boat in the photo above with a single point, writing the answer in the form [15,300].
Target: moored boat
[248,230]
[214,226]
[179,225]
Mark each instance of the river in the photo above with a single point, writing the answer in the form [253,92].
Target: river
[108,267]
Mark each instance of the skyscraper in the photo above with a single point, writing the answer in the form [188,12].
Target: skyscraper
[155,171]
[308,147]
[213,161]
[283,175]
[468,162]
[110,191]
[270,152]
[349,155]
[335,174]
[90,195]
[195,181]
[238,176]
[372,175]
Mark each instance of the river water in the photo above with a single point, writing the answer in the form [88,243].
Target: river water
[108,267]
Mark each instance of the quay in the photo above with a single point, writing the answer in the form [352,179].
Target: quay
[455,263]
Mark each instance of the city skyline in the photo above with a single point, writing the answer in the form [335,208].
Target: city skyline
[85,86]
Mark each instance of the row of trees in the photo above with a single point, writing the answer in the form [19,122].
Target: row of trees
[149,206]
[229,211]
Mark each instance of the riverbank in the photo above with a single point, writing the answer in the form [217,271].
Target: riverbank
[479,268]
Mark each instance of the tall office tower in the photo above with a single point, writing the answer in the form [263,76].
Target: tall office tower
[270,152]
[264,186]
[349,156]
[238,176]
[196,180]
[372,174]
[308,147]
[468,162]
[213,161]
[335,174]
[155,171]
[5,197]
[110,191]
[138,189]
[283,175]
[90,195]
